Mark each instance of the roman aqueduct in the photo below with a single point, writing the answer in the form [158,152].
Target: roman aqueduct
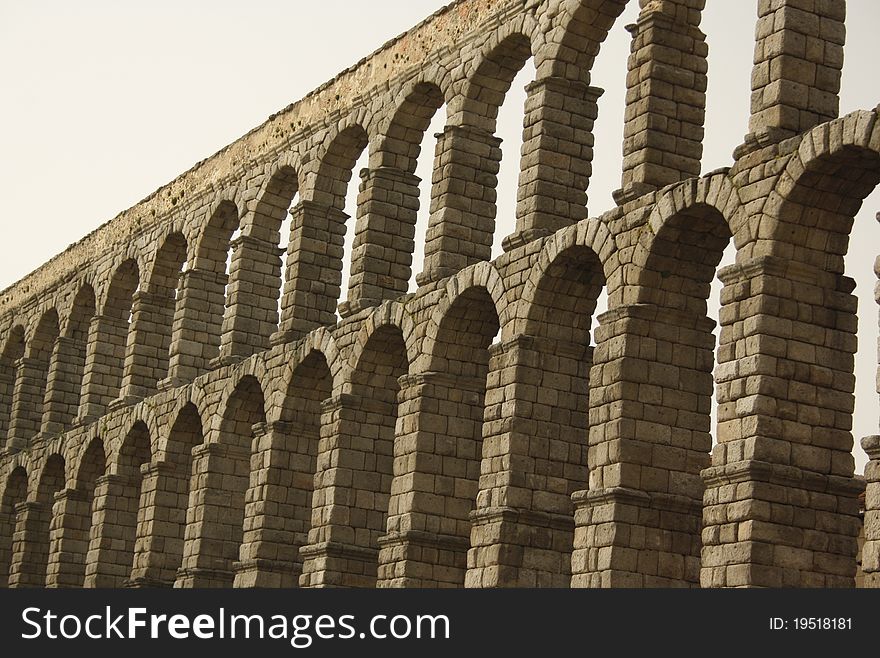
[164,426]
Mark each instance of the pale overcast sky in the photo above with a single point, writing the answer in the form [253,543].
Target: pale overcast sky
[105,101]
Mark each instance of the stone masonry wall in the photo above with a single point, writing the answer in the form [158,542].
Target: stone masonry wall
[163,424]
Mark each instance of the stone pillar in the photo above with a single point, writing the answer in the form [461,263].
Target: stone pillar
[871,549]
[437,461]
[214,516]
[198,315]
[462,221]
[534,458]
[105,355]
[314,270]
[252,297]
[63,387]
[7,529]
[114,525]
[277,505]
[557,158]
[781,503]
[638,524]
[7,386]
[27,402]
[798,63]
[158,548]
[341,550]
[665,98]
[146,358]
[69,538]
[30,545]
[383,247]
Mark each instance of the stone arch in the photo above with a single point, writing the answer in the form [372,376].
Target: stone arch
[715,194]
[108,342]
[809,323]
[320,340]
[46,328]
[255,276]
[13,350]
[77,322]
[439,444]
[375,382]
[165,493]
[836,167]
[572,263]
[115,511]
[72,515]
[392,314]
[481,275]
[539,384]
[317,247]
[91,464]
[30,554]
[65,382]
[504,54]
[212,242]
[653,376]
[186,432]
[42,344]
[575,32]
[338,156]
[246,380]
[244,407]
[388,203]
[201,299]
[310,381]
[678,259]
[14,492]
[359,435]
[53,477]
[214,530]
[147,356]
[72,518]
[166,266]
[142,414]
[31,377]
[461,227]
[273,200]
[279,510]
[395,120]
[682,257]
[205,404]
[124,281]
[400,144]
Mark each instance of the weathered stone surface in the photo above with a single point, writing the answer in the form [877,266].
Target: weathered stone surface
[179,428]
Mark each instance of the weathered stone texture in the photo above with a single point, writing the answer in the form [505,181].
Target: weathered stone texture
[175,426]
